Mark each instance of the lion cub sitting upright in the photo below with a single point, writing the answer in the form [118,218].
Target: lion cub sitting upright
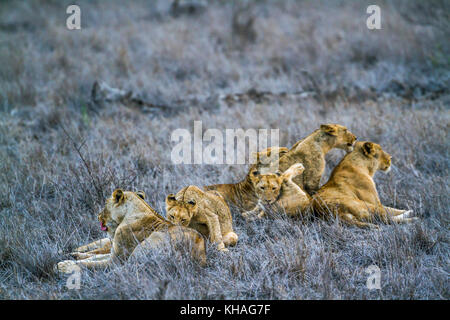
[311,153]
[204,211]
[279,191]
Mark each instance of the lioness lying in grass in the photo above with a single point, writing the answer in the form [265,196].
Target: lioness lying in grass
[133,226]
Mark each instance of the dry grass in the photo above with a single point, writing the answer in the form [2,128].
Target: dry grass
[388,86]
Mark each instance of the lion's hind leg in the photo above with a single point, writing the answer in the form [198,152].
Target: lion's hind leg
[356,213]
[368,211]
[155,240]
[389,215]
[394,212]
[405,217]
[189,239]
[198,251]
[352,220]
[401,216]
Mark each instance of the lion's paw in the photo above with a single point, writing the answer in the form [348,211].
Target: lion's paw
[296,169]
[66,266]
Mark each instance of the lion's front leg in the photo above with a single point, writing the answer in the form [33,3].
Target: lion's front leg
[84,255]
[357,213]
[95,262]
[215,233]
[102,246]
[95,245]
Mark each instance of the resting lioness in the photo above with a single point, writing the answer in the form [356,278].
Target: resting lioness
[132,224]
[311,153]
[278,192]
[351,194]
[242,194]
[204,211]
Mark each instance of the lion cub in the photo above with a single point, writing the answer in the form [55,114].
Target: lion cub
[242,194]
[204,211]
[311,153]
[278,190]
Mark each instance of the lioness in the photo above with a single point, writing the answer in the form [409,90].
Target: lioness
[311,153]
[242,194]
[204,211]
[351,194]
[280,192]
[132,224]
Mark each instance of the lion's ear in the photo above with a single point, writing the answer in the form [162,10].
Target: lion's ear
[141,194]
[368,149]
[329,129]
[118,196]
[283,151]
[171,200]
[191,203]
[259,157]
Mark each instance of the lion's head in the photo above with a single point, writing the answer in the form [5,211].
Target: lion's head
[267,186]
[340,136]
[377,157]
[180,212]
[116,208]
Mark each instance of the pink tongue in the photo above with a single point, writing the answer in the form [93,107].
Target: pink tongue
[102,227]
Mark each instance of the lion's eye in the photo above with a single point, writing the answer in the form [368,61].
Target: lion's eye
[273,188]
[262,188]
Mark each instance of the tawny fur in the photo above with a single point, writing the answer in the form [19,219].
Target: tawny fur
[204,211]
[131,223]
[351,193]
[311,153]
[242,194]
[278,192]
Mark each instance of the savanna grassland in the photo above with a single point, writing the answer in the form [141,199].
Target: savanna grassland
[291,65]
